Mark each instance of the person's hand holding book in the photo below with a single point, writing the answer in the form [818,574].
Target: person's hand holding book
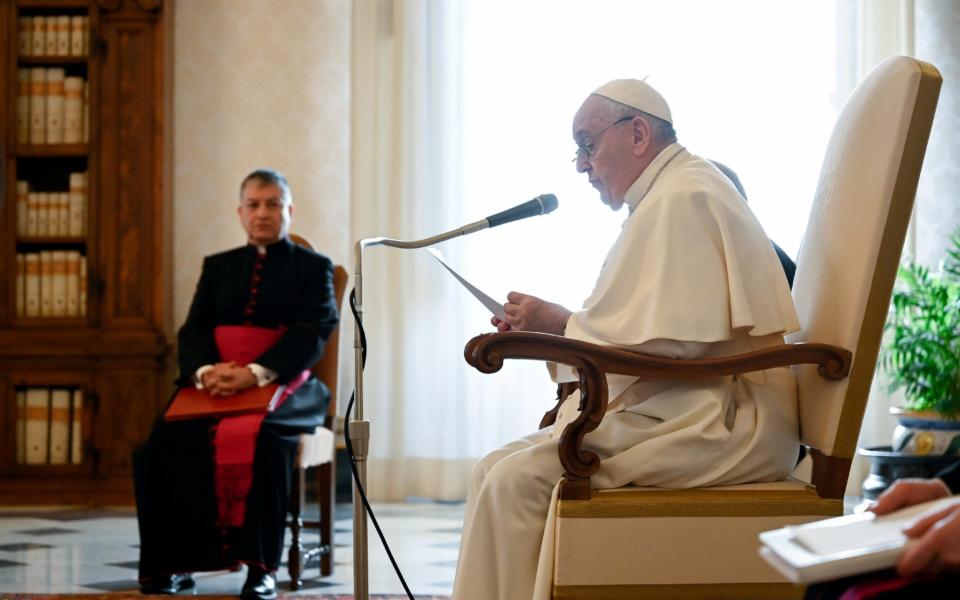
[937,534]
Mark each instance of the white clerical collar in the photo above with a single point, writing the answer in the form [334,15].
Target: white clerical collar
[639,189]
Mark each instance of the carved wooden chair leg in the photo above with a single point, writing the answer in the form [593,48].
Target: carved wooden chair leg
[326,493]
[295,556]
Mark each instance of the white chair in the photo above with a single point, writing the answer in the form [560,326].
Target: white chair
[702,543]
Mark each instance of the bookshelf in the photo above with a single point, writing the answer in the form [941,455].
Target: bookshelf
[84,357]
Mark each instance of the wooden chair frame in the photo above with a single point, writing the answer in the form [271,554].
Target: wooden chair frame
[299,555]
[750,506]
[487,352]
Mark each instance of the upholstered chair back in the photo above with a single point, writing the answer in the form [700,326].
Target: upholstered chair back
[849,256]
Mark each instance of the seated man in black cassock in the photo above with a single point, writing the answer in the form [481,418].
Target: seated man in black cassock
[213,492]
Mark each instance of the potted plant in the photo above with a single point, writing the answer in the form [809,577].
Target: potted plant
[922,356]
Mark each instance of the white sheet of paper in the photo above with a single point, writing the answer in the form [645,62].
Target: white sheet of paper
[492,305]
[864,530]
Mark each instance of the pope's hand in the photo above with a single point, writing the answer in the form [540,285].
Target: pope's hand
[529,313]
[500,325]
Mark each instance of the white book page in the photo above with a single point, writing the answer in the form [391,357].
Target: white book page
[492,305]
[863,531]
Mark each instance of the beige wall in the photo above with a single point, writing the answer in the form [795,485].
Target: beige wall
[258,83]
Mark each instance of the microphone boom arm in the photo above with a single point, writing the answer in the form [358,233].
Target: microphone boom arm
[358,428]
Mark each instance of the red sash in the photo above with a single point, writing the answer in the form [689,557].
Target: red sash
[235,438]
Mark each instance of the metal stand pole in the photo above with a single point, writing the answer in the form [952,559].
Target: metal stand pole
[360,439]
[359,428]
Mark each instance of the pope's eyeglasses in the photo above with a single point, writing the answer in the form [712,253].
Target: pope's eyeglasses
[586,150]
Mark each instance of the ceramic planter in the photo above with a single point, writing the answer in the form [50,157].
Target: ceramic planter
[925,434]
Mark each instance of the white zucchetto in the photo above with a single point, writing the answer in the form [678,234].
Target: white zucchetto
[636,94]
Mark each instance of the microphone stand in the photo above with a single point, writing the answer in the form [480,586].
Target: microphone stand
[360,427]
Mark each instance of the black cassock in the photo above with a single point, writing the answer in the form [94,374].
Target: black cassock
[174,469]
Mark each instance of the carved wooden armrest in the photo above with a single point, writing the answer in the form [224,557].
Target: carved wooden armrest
[487,352]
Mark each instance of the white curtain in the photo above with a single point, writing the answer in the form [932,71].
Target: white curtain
[425,434]
[461,109]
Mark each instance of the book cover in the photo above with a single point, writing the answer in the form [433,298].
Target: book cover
[59,426]
[55,107]
[38,36]
[23,191]
[86,104]
[842,546]
[21,275]
[21,426]
[46,283]
[43,213]
[191,403]
[50,37]
[76,36]
[63,214]
[24,31]
[38,102]
[85,48]
[31,214]
[23,106]
[76,428]
[73,283]
[37,426]
[83,286]
[77,196]
[32,284]
[72,110]
[58,282]
[63,35]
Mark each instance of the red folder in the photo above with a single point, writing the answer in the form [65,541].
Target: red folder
[191,403]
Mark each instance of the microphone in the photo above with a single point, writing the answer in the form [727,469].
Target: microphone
[541,205]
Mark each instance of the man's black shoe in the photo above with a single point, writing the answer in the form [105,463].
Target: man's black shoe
[168,584]
[260,585]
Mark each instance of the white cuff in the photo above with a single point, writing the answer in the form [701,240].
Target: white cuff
[263,374]
[198,376]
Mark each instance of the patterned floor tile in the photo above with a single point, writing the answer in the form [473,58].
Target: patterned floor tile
[122,585]
[25,546]
[100,553]
[46,531]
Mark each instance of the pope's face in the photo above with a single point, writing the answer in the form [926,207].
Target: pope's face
[606,150]
[264,214]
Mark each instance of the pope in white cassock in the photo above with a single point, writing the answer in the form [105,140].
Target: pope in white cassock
[691,275]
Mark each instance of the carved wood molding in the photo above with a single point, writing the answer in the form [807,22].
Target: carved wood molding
[145,5]
[487,352]
[832,362]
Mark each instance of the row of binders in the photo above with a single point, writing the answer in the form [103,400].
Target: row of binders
[57,214]
[51,107]
[52,283]
[49,426]
[56,35]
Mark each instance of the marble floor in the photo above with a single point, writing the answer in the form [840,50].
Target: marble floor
[75,550]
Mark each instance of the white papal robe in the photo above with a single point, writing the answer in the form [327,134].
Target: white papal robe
[692,275]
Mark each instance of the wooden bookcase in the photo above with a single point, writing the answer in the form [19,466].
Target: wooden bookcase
[117,353]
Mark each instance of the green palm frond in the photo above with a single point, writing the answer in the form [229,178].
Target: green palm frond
[922,356]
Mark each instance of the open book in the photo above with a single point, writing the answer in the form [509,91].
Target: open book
[843,546]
